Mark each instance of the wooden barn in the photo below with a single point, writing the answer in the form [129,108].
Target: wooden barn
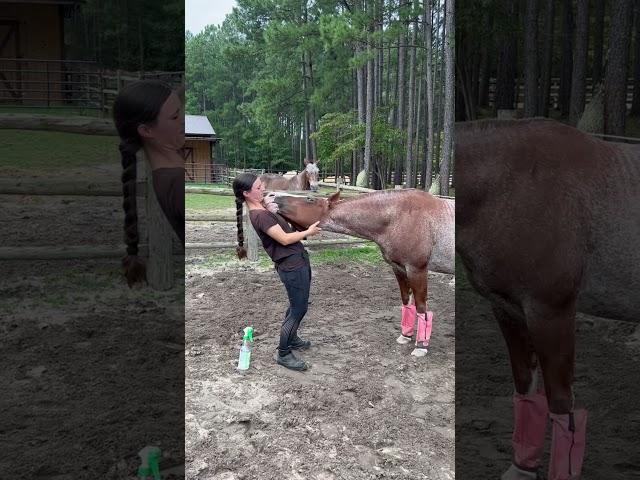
[34,70]
[199,152]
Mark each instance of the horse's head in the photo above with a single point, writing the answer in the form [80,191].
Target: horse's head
[302,210]
[312,172]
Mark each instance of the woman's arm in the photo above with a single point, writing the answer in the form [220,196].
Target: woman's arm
[285,238]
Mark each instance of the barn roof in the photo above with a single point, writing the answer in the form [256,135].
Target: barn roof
[197,125]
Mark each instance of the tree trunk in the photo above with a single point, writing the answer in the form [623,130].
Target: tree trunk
[547,55]
[449,96]
[397,173]
[438,94]
[428,144]
[369,118]
[485,62]
[411,114]
[506,78]
[531,59]
[598,41]
[312,113]
[578,77]
[564,95]
[361,101]
[615,82]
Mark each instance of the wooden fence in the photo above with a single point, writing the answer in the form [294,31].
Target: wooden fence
[554,93]
[252,242]
[158,250]
[251,238]
[35,83]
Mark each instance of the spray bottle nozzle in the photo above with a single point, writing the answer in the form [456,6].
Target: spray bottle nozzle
[248,334]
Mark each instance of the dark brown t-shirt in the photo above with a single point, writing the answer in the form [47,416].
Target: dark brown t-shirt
[168,184]
[286,257]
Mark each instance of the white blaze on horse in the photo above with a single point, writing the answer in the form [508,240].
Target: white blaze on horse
[307,179]
[415,233]
[547,224]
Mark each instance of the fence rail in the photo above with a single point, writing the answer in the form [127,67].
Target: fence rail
[554,92]
[37,83]
[159,251]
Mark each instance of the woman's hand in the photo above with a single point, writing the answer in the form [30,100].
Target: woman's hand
[314,229]
[271,206]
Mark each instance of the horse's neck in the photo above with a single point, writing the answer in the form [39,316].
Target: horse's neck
[359,218]
[298,182]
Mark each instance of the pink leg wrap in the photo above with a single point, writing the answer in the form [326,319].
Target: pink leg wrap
[568,441]
[408,319]
[530,414]
[425,322]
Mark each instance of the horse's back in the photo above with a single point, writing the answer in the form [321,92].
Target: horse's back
[536,210]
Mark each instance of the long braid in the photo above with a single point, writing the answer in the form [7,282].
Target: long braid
[240,250]
[134,268]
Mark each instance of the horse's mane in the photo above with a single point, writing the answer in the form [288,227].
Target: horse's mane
[382,193]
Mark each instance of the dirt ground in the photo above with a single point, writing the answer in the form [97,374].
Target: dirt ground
[365,409]
[606,384]
[91,370]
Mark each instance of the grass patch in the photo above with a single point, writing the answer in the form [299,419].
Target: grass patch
[632,128]
[204,201]
[369,254]
[40,150]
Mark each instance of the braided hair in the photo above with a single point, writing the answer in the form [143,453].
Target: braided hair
[242,183]
[137,104]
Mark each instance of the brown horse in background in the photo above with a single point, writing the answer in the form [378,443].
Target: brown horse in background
[547,218]
[307,179]
[414,230]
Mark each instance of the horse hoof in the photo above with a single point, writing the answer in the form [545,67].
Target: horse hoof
[419,352]
[515,473]
[402,340]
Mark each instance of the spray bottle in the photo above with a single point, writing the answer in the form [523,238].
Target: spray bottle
[150,457]
[245,350]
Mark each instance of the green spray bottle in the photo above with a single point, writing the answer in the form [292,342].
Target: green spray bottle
[150,468]
[245,350]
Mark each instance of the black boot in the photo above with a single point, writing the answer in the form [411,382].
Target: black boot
[298,344]
[291,362]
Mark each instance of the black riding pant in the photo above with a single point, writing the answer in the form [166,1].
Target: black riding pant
[297,283]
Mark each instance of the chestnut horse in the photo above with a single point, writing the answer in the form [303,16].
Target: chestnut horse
[307,179]
[547,217]
[414,230]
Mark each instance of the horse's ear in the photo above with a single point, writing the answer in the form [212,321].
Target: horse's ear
[306,161]
[334,197]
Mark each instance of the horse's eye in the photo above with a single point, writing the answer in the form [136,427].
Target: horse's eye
[310,200]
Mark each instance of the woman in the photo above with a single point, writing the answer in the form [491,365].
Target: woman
[283,245]
[148,115]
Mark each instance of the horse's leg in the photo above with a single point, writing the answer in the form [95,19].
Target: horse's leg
[553,334]
[530,411]
[408,311]
[418,282]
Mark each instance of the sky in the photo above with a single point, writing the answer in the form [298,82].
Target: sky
[200,13]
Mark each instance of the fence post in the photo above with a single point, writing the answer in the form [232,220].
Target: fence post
[102,93]
[251,237]
[159,237]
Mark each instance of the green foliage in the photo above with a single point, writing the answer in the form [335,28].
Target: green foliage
[129,35]
[246,76]
[340,134]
